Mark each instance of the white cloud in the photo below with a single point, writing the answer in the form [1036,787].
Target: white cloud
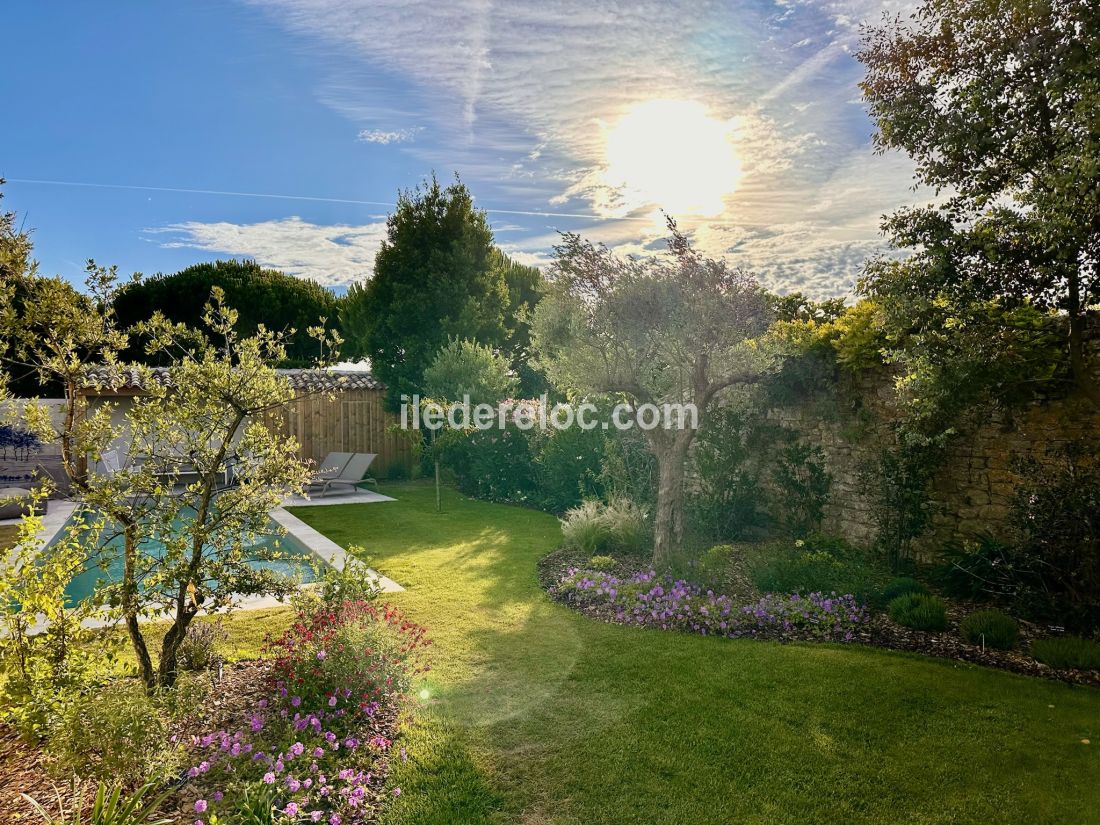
[334,255]
[386,137]
[518,97]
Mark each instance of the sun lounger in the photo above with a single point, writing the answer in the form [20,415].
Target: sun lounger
[353,474]
[331,467]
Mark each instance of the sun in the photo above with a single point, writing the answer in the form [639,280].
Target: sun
[672,154]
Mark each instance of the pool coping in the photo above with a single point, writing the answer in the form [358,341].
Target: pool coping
[328,551]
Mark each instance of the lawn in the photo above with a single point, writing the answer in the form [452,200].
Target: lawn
[537,714]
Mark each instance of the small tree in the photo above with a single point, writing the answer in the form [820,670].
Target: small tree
[678,329]
[206,417]
[465,367]
[204,420]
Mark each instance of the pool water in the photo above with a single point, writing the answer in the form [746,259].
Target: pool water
[298,561]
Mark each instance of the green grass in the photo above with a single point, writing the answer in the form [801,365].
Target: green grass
[538,714]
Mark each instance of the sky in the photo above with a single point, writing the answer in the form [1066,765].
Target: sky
[157,135]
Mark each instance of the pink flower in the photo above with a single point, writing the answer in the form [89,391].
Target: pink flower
[200,805]
[320,655]
[269,778]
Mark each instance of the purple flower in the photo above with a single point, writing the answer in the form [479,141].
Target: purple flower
[200,805]
[269,778]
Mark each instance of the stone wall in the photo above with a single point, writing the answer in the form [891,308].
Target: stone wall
[972,491]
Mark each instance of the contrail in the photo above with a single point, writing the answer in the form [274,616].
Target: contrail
[314,199]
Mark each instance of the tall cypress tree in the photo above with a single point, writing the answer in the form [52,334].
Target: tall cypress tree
[434,278]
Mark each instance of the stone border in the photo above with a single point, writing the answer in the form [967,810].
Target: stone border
[325,548]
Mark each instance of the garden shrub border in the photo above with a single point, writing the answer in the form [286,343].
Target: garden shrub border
[879,631]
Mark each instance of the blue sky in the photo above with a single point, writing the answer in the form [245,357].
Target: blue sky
[331,106]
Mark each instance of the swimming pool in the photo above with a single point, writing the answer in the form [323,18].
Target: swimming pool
[298,560]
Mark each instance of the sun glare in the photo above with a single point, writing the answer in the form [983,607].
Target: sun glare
[672,154]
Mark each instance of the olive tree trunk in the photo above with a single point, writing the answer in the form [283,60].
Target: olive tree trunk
[668,523]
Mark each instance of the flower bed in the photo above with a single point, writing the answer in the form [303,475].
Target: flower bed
[639,597]
[648,600]
[316,747]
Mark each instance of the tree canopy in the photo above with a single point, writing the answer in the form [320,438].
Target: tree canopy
[464,367]
[434,278]
[680,328]
[278,301]
[996,101]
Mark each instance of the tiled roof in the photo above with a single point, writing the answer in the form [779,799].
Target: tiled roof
[105,379]
[323,380]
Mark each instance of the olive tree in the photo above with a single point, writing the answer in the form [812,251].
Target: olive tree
[679,328]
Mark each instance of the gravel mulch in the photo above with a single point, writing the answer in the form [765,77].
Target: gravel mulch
[882,632]
[22,771]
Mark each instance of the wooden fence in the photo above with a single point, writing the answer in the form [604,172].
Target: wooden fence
[352,421]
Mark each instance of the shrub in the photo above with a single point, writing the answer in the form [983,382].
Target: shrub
[1056,510]
[199,649]
[601,563]
[919,611]
[802,484]
[715,560]
[754,475]
[1067,651]
[594,528]
[313,746]
[628,467]
[567,465]
[115,733]
[993,628]
[397,471]
[494,465]
[348,656]
[109,806]
[899,586]
[984,567]
[353,583]
[185,698]
[817,565]
[729,459]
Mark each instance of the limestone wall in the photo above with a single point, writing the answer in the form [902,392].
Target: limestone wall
[974,488]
